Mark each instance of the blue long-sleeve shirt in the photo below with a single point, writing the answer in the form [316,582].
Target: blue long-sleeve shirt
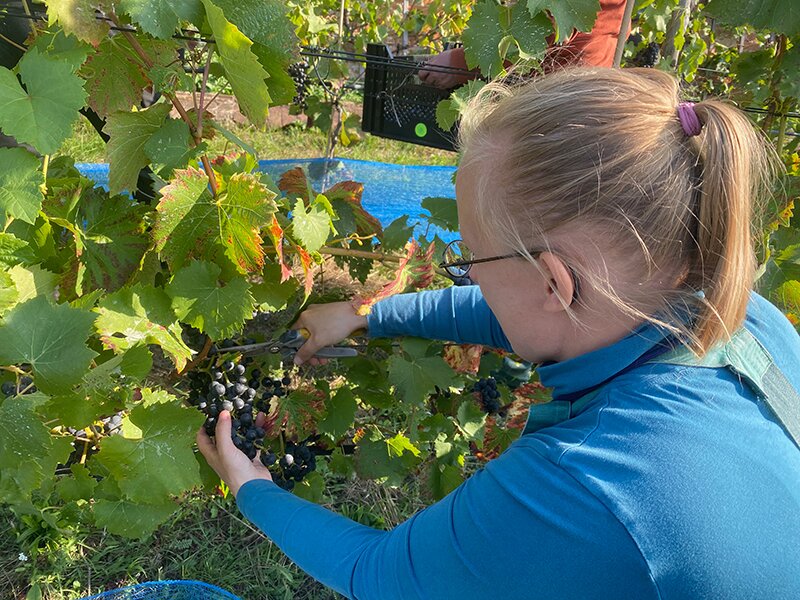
[671,484]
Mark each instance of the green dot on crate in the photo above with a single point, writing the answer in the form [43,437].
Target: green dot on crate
[421,130]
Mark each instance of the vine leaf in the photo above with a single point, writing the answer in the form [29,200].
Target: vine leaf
[242,69]
[349,193]
[170,146]
[199,300]
[340,412]
[160,463]
[20,178]
[141,315]
[43,115]
[14,250]
[274,293]
[444,212]
[78,18]
[276,235]
[265,22]
[190,221]
[28,453]
[568,14]
[58,44]
[782,16]
[131,519]
[449,110]
[482,38]
[397,234]
[129,132]
[110,242]
[78,487]
[33,281]
[51,339]
[311,226]
[159,18]
[376,459]
[114,79]
[416,375]
[9,296]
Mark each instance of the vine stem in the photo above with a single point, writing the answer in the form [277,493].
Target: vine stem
[623,33]
[202,109]
[199,358]
[137,47]
[773,101]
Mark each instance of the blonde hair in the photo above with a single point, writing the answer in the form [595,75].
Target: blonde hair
[592,163]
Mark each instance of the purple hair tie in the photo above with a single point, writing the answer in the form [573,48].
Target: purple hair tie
[688,118]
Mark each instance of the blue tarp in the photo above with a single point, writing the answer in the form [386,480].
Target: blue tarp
[390,191]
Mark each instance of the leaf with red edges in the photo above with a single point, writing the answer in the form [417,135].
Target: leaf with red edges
[276,235]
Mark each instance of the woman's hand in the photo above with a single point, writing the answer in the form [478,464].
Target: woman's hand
[327,324]
[227,460]
[449,58]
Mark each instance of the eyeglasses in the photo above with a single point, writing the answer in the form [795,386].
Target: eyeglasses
[458,260]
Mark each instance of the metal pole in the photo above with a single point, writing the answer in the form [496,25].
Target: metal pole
[623,32]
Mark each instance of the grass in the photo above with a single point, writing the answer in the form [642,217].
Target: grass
[292,141]
[207,539]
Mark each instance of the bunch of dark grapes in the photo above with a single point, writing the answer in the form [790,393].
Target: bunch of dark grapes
[299,72]
[229,389]
[488,394]
[25,386]
[648,56]
[299,460]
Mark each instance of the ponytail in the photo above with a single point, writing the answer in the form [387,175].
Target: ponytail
[733,164]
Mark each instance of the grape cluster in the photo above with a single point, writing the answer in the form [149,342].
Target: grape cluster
[24,386]
[648,56]
[299,460]
[489,395]
[298,72]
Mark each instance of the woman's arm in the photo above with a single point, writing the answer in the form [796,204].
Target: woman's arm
[521,527]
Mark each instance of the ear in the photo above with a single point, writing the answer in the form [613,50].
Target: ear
[558,279]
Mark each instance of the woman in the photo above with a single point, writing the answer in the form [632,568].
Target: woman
[610,230]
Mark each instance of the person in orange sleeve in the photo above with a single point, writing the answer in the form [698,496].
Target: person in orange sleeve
[595,48]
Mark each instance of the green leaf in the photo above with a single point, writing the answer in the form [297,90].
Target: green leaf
[78,410]
[129,132]
[374,459]
[444,212]
[170,146]
[310,226]
[312,488]
[77,17]
[9,296]
[141,315]
[20,178]
[242,69]
[159,464]
[568,14]
[114,79]
[44,114]
[399,444]
[131,519]
[28,453]
[160,18]
[33,281]
[443,479]
[14,251]
[781,16]
[51,338]
[199,300]
[272,295]
[415,379]
[790,67]
[58,45]
[530,32]
[397,234]
[340,413]
[78,487]
[190,222]
[112,242]
[472,420]
[482,38]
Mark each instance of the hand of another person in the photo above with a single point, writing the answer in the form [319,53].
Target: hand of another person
[449,58]
[327,324]
[227,460]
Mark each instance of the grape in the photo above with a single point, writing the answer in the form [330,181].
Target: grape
[268,459]
[9,388]
[297,71]
[489,395]
[239,369]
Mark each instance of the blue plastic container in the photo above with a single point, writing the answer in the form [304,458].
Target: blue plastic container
[167,590]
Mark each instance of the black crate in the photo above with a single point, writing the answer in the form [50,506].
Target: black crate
[397,105]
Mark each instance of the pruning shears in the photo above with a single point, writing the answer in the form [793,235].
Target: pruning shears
[287,346]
